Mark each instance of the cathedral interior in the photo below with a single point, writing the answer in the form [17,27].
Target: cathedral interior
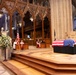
[29,17]
[32,18]
[50,21]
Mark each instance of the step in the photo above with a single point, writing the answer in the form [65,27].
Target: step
[48,67]
[23,69]
[4,70]
[14,69]
[48,64]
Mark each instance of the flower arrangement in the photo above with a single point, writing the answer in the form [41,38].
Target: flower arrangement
[5,42]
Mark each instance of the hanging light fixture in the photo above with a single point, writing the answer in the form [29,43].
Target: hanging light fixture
[13,28]
[31,19]
[20,24]
[2,29]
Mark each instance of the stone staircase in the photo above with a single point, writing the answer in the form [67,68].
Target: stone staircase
[19,68]
[46,66]
[42,62]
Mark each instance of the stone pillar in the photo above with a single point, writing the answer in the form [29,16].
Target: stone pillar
[61,18]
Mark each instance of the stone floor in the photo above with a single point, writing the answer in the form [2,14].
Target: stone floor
[5,71]
[46,54]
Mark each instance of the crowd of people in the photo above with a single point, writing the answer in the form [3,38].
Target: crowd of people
[21,43]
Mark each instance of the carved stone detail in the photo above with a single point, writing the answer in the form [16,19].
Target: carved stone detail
[10,4]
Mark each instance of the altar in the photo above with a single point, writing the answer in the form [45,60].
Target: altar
[59,47]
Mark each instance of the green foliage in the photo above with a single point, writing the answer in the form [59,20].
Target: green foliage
[5,42]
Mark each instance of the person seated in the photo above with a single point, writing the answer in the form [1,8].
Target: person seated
[14,44]
[38,43]
[22,44]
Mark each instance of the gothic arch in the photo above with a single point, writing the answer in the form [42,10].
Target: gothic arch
[6,9]
[22,7]
[27,16]
[39,15]
[16,9]
[25,11]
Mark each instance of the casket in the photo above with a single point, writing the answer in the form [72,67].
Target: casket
[61,47]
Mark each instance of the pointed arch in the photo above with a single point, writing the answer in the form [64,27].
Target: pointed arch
[4,6]
[27,9]
[38,14]
[16,9]
[27,16]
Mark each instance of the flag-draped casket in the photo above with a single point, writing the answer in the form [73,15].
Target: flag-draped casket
[64,46]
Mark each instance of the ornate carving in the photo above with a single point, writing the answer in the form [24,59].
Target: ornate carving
[26,9]
[43,12]
[22,7]
[10,4]
[34,10]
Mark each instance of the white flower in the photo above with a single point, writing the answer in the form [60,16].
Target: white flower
[5,42]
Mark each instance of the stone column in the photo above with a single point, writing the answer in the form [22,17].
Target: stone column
[61,18]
